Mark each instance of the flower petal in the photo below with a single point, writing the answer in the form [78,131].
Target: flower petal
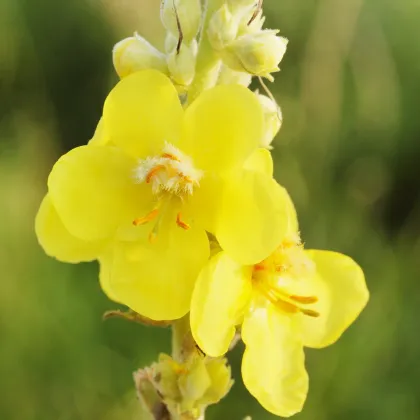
[221,294]
[99,137]
[56,240]
[156,280]
[142,112]
[342,294]
[105,270]
[253,218]
[222,127]
[94,191]
[202,206]
[260,161]
[273,366]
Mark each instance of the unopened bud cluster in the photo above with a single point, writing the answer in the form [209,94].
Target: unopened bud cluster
[233,37]
[188,388]
[235,32]
[182,20]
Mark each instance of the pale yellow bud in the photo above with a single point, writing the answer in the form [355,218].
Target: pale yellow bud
[227,76]
[194,383]
[239,5]
[171,43]
[223,28]
[134,54]
[258,54]
[181,64]
[220,381]
[247,27]
[189,17]
[272,120]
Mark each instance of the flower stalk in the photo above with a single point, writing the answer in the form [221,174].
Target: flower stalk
[175,197]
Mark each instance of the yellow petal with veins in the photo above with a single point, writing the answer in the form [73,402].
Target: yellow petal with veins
[221,294]
[273,368]
[342,294]
[56,240]
[203,205]
[99,137]
[142,112]
[222,127]
[94,191]
[253,218]
[260,161]
[156,279]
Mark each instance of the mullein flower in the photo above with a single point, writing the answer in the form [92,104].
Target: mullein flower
[291,299]
[160,178]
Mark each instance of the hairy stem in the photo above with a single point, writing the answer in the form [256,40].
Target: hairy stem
[208,62]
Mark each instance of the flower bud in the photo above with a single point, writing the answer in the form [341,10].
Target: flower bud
[165,377]
[134,54]
[222,29]
[247,27]
[194,383]
[185,13]
[181,64]
[272,120]
[220,381]
[259,54]
[237,5]
[227,76]
[191,386]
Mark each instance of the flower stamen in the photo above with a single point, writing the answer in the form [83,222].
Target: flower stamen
[304,300]
[310,312]
[153,172]
[181,223]
[146,219]
[170,156]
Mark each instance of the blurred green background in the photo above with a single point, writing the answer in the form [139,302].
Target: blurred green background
[349,153]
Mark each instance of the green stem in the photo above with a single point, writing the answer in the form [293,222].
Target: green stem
[183,343]
[208,62]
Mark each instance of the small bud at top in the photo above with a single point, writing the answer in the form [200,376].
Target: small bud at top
[181,64]
[181,16]
[134,54]
[259,54]
[272,120]
[223,28]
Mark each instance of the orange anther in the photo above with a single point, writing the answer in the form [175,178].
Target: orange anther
[180,223]
[309,312]
[259,267]
[280,268]
[153,172]
[170,156]
[149,217]
[184,177]
[305,300]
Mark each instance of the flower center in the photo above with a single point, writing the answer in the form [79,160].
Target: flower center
[276,275]
[172,175]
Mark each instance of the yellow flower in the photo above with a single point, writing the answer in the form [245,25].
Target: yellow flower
[293,298]
[150,184]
